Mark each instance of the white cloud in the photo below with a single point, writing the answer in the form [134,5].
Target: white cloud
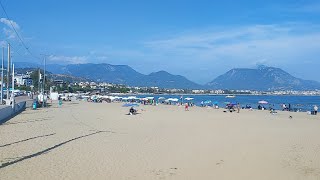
[223,48]
[8,30]
[68,59]
[9,23]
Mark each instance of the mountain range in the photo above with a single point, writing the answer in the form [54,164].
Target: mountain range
[261,78]
[119,74]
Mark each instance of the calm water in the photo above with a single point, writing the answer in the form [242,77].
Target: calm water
[304,103]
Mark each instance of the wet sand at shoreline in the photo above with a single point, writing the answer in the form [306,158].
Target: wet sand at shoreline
[99,141]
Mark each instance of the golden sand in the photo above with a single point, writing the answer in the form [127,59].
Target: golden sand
[99,141]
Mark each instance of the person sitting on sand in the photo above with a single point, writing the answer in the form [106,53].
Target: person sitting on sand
[132,111]
[259,107]
[272,111]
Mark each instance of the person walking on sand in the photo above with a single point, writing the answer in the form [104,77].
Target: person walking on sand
[186,107]
[315,108]
[238,107]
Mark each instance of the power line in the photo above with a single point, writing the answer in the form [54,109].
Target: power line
[22,42]
[15,49]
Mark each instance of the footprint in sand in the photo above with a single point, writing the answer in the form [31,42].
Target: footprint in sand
[165,173]
[298,159]
[220,163]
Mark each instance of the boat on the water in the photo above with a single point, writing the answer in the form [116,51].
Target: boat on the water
[230,96]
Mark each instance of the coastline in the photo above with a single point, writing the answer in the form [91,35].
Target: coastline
[168,94]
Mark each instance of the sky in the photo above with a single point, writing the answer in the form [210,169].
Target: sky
[199,39]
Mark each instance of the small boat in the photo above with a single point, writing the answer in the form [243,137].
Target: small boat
[230,96]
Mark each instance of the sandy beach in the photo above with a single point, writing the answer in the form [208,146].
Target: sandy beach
[84,140]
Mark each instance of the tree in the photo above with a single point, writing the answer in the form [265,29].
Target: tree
[35,79]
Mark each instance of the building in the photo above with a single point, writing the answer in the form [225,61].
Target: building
[23,80]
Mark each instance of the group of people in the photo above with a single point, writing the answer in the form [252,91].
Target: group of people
[233,107]
[285,107]
[237,107]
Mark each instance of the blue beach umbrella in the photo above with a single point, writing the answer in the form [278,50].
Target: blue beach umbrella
[130,105]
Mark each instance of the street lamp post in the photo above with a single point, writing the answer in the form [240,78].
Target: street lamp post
[8,73]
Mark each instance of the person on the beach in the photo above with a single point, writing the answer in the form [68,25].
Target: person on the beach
[315,108]
[238,107]
[284,107]
[186,107]
[132,111]
[259,107]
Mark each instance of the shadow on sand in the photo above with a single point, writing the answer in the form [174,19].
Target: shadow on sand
[22,122]
[46,150]
[26,140]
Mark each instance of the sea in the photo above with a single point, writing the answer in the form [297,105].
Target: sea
[297,103]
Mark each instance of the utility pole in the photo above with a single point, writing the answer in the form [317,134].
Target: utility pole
[8,72]
[44,71]
[2,81]
[44,81]
[44,74]
[12,94]
[39,76]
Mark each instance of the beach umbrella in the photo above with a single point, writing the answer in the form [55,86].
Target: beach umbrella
[149,97]
[207,102]
[130,105]
[188,99]
[132,97]
[263,102]
[216,102]
[173,99]
[161,98]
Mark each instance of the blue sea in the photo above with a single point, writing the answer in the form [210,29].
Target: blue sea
[301,103]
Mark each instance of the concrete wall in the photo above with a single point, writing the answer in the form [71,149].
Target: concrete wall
[7,112]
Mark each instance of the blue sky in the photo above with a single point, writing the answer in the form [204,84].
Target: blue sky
[197,39]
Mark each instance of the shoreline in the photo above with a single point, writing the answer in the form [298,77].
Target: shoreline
[131,94]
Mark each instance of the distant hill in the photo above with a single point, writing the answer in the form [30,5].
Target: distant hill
[262,78]
[167,80]
[123,74]
[64,77]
